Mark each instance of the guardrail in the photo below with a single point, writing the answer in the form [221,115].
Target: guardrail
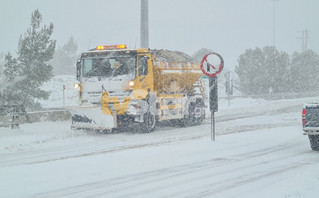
[12,112]
[53,114]
[276,96]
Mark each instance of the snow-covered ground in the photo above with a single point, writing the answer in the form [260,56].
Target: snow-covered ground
[259,152]
[62,92]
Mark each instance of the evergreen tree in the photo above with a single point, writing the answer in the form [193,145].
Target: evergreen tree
[31,69]
[64,58]
[2,55]
[9,78]
[70,47]
[12,69]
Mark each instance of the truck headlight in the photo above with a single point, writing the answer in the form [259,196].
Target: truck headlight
[76,85]
[131,84]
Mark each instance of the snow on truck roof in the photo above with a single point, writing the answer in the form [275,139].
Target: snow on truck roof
[161,55]
[172,56]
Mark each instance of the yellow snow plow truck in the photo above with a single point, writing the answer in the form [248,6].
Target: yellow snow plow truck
[120,87]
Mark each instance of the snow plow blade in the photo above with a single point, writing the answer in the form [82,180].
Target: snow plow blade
[91,117]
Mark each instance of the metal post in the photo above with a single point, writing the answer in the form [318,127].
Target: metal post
[213,103]
[144,24]
[212,126]
[306,39]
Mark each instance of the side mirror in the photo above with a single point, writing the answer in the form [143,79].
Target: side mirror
[78,69]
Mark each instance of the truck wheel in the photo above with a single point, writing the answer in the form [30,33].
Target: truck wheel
[199,107]
[189,120]
[314,142]
[149,123]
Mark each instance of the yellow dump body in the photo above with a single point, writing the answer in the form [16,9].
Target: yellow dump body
[175,77]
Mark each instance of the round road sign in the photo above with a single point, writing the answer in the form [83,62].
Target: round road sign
[212,64]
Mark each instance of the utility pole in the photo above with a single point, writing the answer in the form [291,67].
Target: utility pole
[144,24]
[304,39]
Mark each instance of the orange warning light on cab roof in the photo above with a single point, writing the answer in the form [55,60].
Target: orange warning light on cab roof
[106,47]
[100,47]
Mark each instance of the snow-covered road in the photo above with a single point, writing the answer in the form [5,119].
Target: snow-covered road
[260,151]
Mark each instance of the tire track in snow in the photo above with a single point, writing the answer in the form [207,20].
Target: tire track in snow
[156,182]
[84,149]
[190,176]
[103,146]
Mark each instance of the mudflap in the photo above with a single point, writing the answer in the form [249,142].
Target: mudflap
[91,117]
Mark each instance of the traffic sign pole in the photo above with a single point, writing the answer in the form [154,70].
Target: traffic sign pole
[212,126]
[213,103]
[212,71]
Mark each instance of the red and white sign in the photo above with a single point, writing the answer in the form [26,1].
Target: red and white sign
[212,64]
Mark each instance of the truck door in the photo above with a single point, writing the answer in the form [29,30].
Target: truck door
[145,73]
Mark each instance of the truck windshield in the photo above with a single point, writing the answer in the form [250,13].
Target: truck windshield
[110,65]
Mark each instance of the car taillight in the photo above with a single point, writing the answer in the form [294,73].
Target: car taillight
[303,116]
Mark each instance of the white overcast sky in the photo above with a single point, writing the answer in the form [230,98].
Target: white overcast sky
[225,26]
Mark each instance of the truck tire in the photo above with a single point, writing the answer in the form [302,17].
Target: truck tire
[199,105]
[314,142]
[150,118]
[189,119]
[149,123]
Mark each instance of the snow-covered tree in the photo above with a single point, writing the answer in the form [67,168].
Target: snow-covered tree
[277,70]
[263,71]
[247,70]
[70,47]
[8,79]
[198,55]
[12,69]
[64,58]
[30,69]
[2,55]
[304,71]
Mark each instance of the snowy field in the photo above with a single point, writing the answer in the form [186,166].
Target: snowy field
[259,152]
[56,86]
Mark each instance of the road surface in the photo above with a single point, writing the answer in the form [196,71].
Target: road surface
[259,152]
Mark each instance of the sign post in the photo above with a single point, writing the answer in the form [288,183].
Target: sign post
[211,65]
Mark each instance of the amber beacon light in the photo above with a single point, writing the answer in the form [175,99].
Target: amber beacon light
[108,47]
